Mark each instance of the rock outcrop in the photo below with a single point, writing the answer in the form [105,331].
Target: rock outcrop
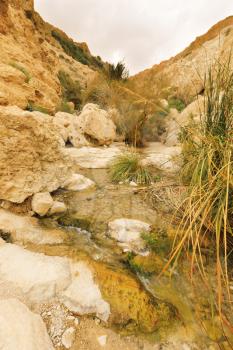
[21,329]
[184,74]
[32,155]
[97,125]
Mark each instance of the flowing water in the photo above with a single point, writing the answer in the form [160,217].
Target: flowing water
[86,227]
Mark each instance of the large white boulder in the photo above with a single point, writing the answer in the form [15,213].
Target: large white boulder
[128,233]
[21,329]
[96,123]
[83,296]
[93,157]
[41,203]
[40,277]
[32,155]
[70,129]
[78,182]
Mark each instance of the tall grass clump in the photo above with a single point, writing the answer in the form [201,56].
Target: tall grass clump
[208,172]
[128,167]
[117,71]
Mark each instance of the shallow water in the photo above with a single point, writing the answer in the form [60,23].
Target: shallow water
[94,210]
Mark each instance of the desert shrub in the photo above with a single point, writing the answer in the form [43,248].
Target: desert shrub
[128,167]
[64,106]
[208,172]
[175,102]
[23,70]
[99,91]
[117,71]
[31,107]
[155,126]
[71,90]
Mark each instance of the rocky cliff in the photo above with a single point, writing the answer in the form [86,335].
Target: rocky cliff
[184,73]
[32,55]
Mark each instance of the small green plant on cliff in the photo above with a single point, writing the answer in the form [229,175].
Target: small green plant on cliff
[22,69]
[31,107]
[208,172]
[128,167]
[71,90]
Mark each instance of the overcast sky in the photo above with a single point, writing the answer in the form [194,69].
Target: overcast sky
[142,32]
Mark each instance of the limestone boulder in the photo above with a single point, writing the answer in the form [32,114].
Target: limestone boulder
[26,229]
[70,129]
[41,203]
[83,295]
[32,155]
[78,182]
[192,112]
[128,233]
[40,277]
[93,157]
[21,329]
[97,125]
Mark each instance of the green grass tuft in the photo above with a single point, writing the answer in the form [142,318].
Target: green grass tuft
[23,70]
[128,167]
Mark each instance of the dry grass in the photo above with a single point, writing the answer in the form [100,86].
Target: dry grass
[208,172]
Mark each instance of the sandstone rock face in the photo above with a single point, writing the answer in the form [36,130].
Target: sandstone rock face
[186,71]
[128,232]
[41,203]
[83,295]
[93,157]
[79,182]
[21,329]
[96,123]
[39,276]
[70,129]
[32,155]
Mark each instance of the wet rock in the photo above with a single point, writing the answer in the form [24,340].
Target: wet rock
[21,329]
[78,183]
[132,307]
[25,229]
[41,203]
[40,277]
[83,295]
[128,233]
[68,337]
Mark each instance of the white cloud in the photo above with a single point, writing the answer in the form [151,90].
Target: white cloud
[141,32]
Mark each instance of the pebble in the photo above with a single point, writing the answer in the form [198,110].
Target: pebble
[68,337]
[97,321]
[76,321]
[102,340]
[133,184]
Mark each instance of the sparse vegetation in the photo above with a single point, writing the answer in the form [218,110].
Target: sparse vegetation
[71,90]
[23,70]
[65,107]
[128,167]
[31,107]
[175,102]
[76,52]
